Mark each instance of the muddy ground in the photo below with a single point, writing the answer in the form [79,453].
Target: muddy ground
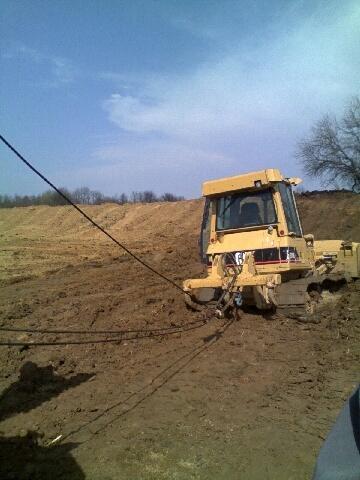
[248,399]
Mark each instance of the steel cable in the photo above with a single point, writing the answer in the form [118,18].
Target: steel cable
[144,334]
[95,332]
[105,232]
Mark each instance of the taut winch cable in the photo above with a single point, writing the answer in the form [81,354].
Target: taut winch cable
[105,232]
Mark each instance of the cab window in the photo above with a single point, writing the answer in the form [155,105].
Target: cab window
[291,215]
[247,209]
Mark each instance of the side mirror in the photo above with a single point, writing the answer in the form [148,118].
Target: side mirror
[309,239]
[295,181]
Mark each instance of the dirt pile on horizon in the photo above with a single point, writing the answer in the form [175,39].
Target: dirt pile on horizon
[35,240]
[153,228]
[333,216]
[330,215]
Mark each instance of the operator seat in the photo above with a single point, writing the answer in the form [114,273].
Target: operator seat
[250,214]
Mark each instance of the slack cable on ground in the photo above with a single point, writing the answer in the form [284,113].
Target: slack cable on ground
[144,334]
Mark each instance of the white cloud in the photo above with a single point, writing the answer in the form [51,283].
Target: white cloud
[61,70]
[244,110]
[283,85]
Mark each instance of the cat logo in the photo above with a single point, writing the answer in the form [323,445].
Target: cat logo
[239,258]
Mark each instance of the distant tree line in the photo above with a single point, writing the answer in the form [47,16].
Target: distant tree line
[84,196]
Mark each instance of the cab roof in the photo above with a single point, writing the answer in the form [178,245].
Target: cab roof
[252,180]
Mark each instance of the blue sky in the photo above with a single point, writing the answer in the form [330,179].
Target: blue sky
[162,95]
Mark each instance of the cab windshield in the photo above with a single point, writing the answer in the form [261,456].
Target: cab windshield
[248,209]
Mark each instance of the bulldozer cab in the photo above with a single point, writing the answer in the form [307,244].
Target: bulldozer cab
[249,212]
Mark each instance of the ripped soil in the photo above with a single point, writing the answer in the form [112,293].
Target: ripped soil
[249,399]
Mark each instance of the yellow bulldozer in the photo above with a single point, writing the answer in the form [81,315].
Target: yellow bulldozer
[256,253]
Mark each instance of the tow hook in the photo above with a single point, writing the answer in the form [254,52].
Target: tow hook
[238,299]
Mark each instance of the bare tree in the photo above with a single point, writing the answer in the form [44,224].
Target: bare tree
[149,196]
[82,195]
[136,197]
[170,197]
[332,151]
[96,197]
[123,198]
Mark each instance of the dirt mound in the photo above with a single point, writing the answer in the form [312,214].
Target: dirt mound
[35,240]
[132,222]
[331,215]
[327,215]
